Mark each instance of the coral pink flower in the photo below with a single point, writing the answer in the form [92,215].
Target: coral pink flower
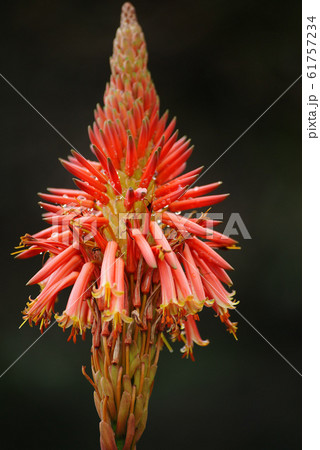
[132,288]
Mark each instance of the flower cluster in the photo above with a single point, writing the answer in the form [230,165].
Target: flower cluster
[163,268]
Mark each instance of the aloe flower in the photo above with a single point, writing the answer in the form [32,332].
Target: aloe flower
[140,271]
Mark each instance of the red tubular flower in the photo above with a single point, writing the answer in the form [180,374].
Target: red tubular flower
[130,288]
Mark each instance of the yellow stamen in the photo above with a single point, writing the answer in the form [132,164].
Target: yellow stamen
[183,339]
[23,323]
[166,343]
[19,251]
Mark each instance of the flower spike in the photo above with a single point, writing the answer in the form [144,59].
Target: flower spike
[139,271]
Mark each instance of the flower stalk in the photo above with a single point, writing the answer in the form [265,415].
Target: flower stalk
[123,372]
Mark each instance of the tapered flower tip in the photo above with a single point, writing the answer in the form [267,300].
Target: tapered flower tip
[128,14]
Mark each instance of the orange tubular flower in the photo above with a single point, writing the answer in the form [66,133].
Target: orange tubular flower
[139,270]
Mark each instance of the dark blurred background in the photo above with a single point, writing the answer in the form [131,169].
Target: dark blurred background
[217,65]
